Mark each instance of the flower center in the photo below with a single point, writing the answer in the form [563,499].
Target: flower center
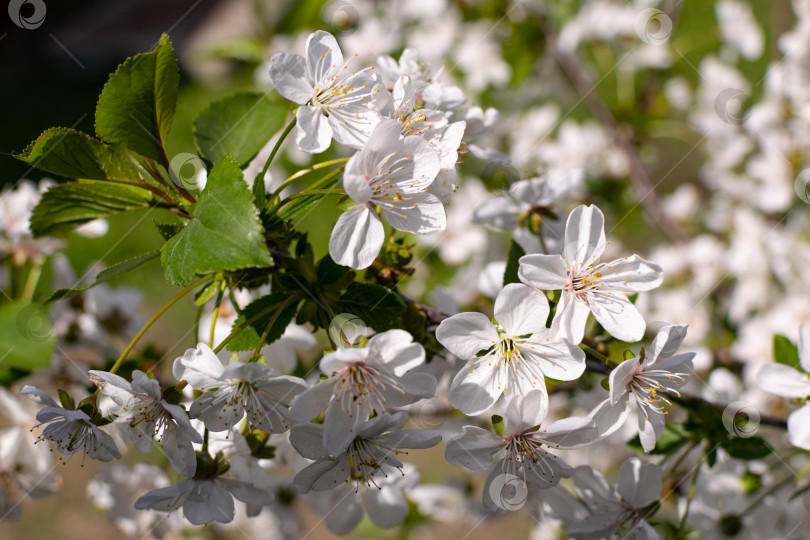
[363,388]
[648,384]
[526,452]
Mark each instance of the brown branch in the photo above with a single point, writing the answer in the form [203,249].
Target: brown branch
[623,137]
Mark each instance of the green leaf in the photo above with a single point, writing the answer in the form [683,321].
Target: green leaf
[224,234]
[107,274]
[27,339]
[268,305]
[71,153]
[329,272]
[373,304]
[747,448]
[167,230]
[497,424]
[136,106]
[66,206]
[239,125]
[208,292]
[785,352]
[511,273]
[300,204]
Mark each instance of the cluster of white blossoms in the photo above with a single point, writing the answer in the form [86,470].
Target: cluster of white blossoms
[509,387]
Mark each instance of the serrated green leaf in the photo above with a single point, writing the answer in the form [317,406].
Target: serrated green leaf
[27,339]
[373,304]
[107,274]
[167,230]
[510,275]
[269,307]
[137,105]
[73,154]
[785,352]
[224,234]
[239,125]
[66,206]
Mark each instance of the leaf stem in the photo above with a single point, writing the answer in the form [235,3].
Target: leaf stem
[273,320]
[244,325]
[152,321]
[260,176]
[308,170]
[215,316]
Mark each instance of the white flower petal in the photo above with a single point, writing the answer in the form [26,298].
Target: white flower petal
[521,309]
[804,346]
[418,213]
[639,484]
[466,334]
[357,238]
[547,272]
[474,449]
[570,432]
[620,378]
[556,358]
[666,343]
[313,401]
[584,235]
[632,274]
[314,134]
[609,417]
[783,380]
[499,212]
[200,367]
[386,507]
[618,316]
[570,319]
[324,58]
[288,76]
[799,427]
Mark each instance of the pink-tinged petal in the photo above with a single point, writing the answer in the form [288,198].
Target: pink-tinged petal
[547,272]
[639,484]
[288,77]
[609,417]
[666,343]
[314,134]
[474,449]
[569,433]
[312,402]
[526,411]
[584,235]
[477,386]
[799,427]
[620,378]
[570,319]
[386,507]
[618,316]
[466,334]
[521,310]
[650,428]
[324,58]
[357,238]
[631,274]
[418,213]
[783,380]
[556,358]
[804,346]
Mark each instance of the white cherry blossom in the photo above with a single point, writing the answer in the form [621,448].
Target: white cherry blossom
[785,381]
[519,350]
[645,380]
[335,101]
[230,392]
[519,452]
[71,431]
[589,285]
[362,381]
[147,414]
[391,173]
